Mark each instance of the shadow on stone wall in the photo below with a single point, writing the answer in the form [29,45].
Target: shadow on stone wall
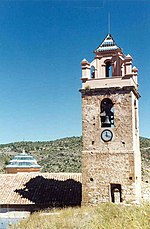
[52,193]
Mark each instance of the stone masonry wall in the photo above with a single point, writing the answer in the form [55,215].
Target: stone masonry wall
[113,162]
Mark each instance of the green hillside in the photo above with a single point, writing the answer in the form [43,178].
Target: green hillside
[145,152]
[62,155]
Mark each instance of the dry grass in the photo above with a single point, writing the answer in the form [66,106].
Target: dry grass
[105,216]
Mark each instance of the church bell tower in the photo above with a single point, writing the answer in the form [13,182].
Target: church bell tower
[111,159]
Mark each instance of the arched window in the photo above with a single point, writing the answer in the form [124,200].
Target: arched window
[135,112]
[108,69]
[107,113]
[92,72]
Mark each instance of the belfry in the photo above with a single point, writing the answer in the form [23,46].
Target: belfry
[111,159]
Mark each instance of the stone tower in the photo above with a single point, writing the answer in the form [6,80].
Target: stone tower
[111,160]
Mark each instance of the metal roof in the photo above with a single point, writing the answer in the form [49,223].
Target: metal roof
[23,160]
[108,44]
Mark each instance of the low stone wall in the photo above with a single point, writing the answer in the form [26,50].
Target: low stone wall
[9,218]
[145,188]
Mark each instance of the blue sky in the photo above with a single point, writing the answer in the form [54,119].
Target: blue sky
[42,44]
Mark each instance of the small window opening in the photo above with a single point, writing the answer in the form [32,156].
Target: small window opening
[130,178]
[92,142]
[116,193]
[135,112]
[108,69]
[92,72]
[107,113]
[91,179]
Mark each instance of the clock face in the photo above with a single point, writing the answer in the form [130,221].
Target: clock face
[106,135]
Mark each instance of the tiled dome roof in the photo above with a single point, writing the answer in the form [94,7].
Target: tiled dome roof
[23,160]
[108,44]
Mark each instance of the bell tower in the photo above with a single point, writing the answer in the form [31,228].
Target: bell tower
[111,160]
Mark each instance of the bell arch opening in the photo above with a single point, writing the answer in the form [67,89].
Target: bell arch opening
[108,69]
[92,72]
[107,113]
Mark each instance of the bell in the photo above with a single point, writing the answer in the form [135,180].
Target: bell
[107,123]
[103,114]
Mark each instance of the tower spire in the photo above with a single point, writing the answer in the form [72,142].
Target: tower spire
[109,22]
